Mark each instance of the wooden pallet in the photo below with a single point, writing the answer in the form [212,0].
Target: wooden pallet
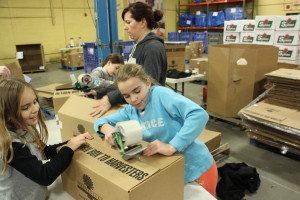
[72,68]
[221,153]
[235,121]
[34,71]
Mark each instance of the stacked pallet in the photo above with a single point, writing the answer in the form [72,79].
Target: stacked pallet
[275,120]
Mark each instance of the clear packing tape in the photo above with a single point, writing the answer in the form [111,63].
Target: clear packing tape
[283,137]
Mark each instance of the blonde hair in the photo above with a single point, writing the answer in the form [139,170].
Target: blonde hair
[11,119]
[128,71]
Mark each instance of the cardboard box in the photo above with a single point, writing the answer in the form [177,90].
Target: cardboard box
[232,26]
[98,171]
[286,52]
[247,38]
[61,96]
[211,139]
[266,22]
[247,26]
[291,23]
[287,38]
[15,70]
[231,37]
[33,57]
[201,64]
[237,76]
[176,57]
[264,37]
[73,60]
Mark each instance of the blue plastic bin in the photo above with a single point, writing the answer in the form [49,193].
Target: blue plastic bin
[90,53]
[234,13]
[215,19]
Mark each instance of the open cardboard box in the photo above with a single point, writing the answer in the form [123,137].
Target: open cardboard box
[98,171]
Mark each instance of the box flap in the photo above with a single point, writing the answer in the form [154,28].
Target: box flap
[85,104]
[64,86]
[48,88]
[16,70]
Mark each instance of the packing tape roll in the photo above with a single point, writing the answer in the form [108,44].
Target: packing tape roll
[131,131]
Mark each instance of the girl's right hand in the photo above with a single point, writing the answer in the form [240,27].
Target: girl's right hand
[107,130]
[75,142]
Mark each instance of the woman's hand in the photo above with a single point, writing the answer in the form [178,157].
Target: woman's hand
[159,147]
[102,107]
[107,130]
[75,142]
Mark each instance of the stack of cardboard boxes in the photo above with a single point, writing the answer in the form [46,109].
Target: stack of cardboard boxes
[73,60]
[178,54]
[280,31]
[275,120]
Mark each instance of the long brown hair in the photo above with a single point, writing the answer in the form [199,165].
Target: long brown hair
[128,71]
[140,10]
[11,119]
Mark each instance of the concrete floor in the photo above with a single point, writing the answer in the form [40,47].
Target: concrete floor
[280,175]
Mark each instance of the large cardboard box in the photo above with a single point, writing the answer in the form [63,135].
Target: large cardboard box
[97,171]
[176,57]
[236,77]
[15,70]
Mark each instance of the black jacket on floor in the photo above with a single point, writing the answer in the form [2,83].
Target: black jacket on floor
[235,179]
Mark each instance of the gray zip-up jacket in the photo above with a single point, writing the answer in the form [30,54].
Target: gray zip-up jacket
[151,54]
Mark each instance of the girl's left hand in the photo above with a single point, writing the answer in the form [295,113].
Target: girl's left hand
[159,147]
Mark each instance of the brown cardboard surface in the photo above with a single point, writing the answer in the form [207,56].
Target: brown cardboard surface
[15,69]
[98,170]
[48,90]
[211,139]
[61,96]
[281,115]
[201,64]
[232,86]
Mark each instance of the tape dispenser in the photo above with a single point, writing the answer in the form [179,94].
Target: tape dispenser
[128,137]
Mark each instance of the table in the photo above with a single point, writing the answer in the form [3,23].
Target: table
[182,81]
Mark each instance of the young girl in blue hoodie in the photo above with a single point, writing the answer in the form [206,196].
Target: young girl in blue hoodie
[171,123]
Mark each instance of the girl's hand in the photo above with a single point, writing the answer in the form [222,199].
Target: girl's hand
[79,140]
[107,130]
[159,147]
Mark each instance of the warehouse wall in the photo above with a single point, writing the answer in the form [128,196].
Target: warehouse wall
[50,22]
[53,22]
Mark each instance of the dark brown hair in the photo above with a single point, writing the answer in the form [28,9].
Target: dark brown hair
[114,58]
[140,10]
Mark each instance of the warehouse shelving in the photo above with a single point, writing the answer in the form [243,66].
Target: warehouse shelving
[207,4]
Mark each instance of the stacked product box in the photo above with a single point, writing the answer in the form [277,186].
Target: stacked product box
[247,34]
[232,31]
[239,31]
[287,39]
[265,29]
